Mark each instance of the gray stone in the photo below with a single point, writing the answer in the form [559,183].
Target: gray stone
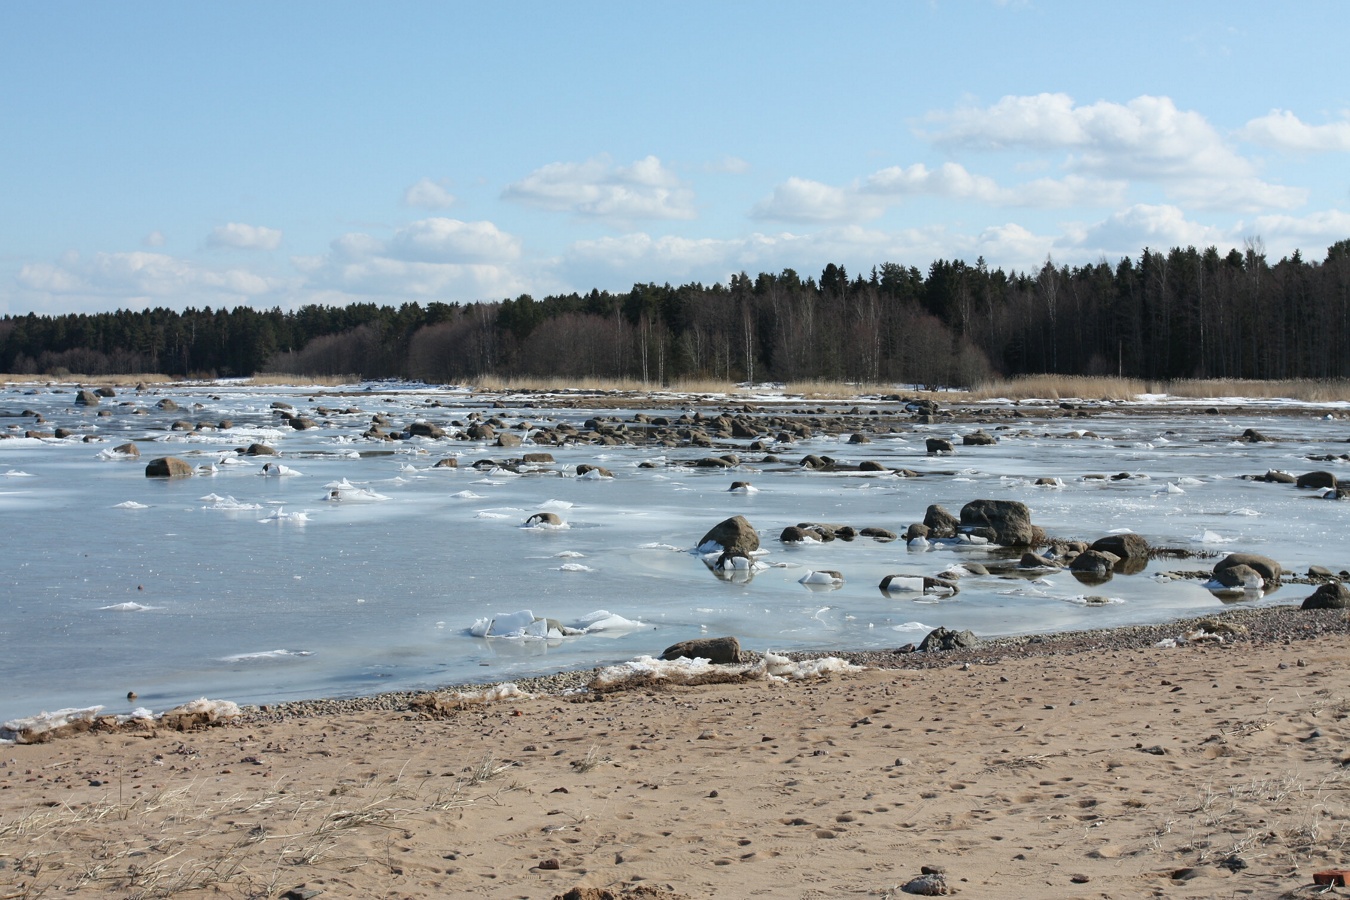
[719,650]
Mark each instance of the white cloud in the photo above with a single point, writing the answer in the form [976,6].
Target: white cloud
[1312,233]
[143,277]
[154,239]
[598,189]
[1283,130]
[450,240]
[804,200]
[428,194]
[1129,231]
[239,236]
[1147,139]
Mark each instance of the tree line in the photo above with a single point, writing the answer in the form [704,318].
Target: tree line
[1186,313]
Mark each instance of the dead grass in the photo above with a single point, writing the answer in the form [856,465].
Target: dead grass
[128,381]
[1065,387]
[264,379]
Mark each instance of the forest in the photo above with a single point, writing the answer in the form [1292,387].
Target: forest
[1186,313]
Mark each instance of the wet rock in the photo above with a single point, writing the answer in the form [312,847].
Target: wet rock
[735,535]
[1003,522]
[1332,595]
[1124,546]
[449,462]
[939,445]
[426,430]
[506,439]
[940,523]
[260,450]
[167,405]
[167,467]
[86,398]
[1321,480]
[1268,568]
[1099,563]
[544,518]
[1252,436]
[600,471]
[978,438]
[128,449]
[719,650]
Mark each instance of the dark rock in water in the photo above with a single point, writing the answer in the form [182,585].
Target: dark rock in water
[538,459]
[917,530]
[449,462]
[859,438]
[714,462]
[86,398]
[740,486]
[426,430]
[735,536]
[871,465]
[1125,546]
[260,450]
[1094,562]
[1031,560]
[128,449]
[167,467]
[1333,595]
[1321,480]
[1269,569]
[1277,477]
[106,391]
[1252,436]
[506,439]
[979,438]
[816,462]
[719,650]
[940,639]
[1238,576]
[795,534]
[941,524]
[1004,522]
[601,471]
[182,425]
[63,432]
[877,534]
[923,583]
[939,445]
[481,431]
[303,423]
[167,405]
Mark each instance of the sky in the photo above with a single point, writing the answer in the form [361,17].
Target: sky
[178,155]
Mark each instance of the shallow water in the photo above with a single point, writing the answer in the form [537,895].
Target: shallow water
[116,582]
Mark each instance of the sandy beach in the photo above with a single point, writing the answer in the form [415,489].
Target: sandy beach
[1076,766]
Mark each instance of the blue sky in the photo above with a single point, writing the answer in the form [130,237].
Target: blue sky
[278,154]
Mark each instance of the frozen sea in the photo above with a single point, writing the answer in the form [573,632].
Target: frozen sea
[240,585]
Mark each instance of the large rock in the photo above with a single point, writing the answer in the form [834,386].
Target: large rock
[979,438]
[1125,546]
[1004,522]
[86,398]
[426,430]
[128,449]
[507,439]
[735,536]
[1095,563]
[167,467]
[1332,595]
[940,523]
[1269,570]
[719,650]
[167,405]
[1319,480]
[260,450]
[940,639]
[939,445]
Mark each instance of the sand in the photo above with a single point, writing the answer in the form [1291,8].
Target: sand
[1204,770]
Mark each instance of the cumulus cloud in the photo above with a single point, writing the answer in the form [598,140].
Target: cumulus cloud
[428,194]
[1283,130]
[238,236]
[598,189]
[1127,232]
[803,200]
[1147,139]
[143,277]
[430,259]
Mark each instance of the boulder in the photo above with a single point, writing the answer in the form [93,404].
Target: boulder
[714,462]
[1124,546]
[979,438]
[1240,576]
[859,438]
[924,583]
[1252,436]
[600,471]
[1277,477]
[167,405]
[1268,568]
[795,534]
[128,449]
[481,431]
[939,445]
[449,462]
[426,430]
[871,465]
[1031,560]
[917,530]
[1094,562]
[506,439]
[940,639]
[1332,595]
[106,391]
[940,523]
[719,650]
[86,398]
[735,536]
[1321,480]
[1004,522]
[877,534]
[260,450]
[167,467]
[538,459]
[818,463]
